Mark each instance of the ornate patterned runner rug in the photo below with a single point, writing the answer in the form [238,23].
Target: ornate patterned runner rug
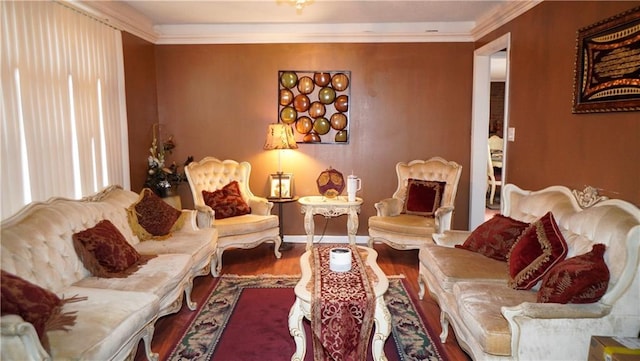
[341,321]
[245,318]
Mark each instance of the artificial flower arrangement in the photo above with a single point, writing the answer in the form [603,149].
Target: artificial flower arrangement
[164,180]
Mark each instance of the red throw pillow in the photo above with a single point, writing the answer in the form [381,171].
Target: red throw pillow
[580,279]
[227,201]
[539,247]
[423,197]
[152,218]
[36,305]
[105,252]
[495,237]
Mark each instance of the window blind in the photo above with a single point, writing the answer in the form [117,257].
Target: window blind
[64,126]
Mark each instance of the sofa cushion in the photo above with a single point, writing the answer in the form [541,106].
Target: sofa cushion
[405,224]
[537,250]
[580,279]
[200,244]
[450,265]
[164,275]
[495,237]
[227,201]
[152,218]
[105,253]
[105,323]
[245,224]
[36,305]
[480,308]
[423,197]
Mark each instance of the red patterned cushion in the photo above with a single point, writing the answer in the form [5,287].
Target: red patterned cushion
[580,279]
[152,218]
[423,197]
[226,202]
[36,305]
[105,253]
[539,247]
[495,237]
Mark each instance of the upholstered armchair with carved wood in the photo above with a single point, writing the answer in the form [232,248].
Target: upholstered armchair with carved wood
[242,219]
[422,204]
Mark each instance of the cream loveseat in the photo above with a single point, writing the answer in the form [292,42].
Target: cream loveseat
[493,321]
[37,246]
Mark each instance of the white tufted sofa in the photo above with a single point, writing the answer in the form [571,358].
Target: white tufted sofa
[37,246]
[494,322]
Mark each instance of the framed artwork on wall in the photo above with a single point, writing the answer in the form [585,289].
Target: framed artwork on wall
[607,74]
[280,185]
[316,105]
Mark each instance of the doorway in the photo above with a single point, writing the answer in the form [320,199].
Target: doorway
[480,124]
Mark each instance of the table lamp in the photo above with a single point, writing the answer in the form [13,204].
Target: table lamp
[280,137]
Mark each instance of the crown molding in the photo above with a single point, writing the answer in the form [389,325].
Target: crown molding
[126,18]
[118,15]
[314,33]
[264,38]
[501,15]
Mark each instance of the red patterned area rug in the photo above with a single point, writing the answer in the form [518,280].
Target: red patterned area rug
[246,318]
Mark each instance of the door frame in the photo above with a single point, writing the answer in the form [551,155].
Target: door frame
[480,125]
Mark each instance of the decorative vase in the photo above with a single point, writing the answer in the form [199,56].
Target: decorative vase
[167,191]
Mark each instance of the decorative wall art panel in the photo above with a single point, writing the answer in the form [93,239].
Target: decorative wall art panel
[315,104]
[607,75]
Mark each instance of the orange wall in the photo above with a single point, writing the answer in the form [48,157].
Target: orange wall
[142,105]
[554,146]
[408,101]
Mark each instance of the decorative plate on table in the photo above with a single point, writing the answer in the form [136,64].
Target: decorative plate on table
[330,183]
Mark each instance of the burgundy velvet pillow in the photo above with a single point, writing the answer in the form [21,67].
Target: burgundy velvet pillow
[36,305]
[539,247]
[580,279]
[105,252]
[227,201]
[495,237]
[152,218]
[423,197]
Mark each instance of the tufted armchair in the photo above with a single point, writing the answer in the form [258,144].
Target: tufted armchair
[404,231]
[243,231]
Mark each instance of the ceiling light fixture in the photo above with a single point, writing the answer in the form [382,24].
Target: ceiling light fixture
[300,4]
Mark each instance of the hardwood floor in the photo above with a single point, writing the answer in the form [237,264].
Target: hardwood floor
[261,260]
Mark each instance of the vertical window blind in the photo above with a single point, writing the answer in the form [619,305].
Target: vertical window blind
[64,126]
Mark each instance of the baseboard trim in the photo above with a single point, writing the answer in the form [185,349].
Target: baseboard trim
[325,239]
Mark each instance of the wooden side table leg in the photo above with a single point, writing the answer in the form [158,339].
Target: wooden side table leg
[382,330]
[309,227]
[352,225]
[296,329]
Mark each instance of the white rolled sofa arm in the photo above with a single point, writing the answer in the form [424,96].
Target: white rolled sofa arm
[20,340]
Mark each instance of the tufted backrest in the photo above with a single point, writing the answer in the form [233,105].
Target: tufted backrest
[614,223]
[37,241]
[528,206]
[433,169]
[211,174]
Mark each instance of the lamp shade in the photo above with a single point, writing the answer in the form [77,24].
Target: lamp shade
[280,136]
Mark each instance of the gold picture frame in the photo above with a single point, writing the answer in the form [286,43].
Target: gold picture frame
[280,185]
[607,74]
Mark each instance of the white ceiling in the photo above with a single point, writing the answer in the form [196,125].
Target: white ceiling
[262,21]
[317,12]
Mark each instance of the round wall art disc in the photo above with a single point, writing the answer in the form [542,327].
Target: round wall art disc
[289,79]
[330,183]
[340,82]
